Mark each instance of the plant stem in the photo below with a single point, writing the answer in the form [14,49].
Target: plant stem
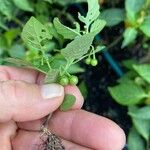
[66,67]
[115,42]
[49,66]
[16,20]
[87,55]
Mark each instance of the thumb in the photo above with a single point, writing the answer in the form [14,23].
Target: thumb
[23,101]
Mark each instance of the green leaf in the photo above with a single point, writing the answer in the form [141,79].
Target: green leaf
[144,27]
[130,76]
[127,93]
[75,68]
[49,1]
[1,61]
[78,47]
[99,48]
[133,7]
[65,31]
[17,51]
[59,61]
[129,63]
[52,76]
[92,14]
[142,113]
[6,8]
[3,43]
[113,16]
[34,33]
[135,142]
[142,126]
[11,35]
[18,62]
[97,26]
[144,71]
[36,63]
[124,79]
[68,102]
[93,10]
[23,64]
[129,35]
[83,89]
[3,23]
[54,32]
[23,4]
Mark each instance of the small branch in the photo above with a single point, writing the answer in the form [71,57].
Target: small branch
[17,21]
[115,42]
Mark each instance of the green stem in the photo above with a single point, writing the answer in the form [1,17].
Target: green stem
[43,53]
[93,53]
[87,55]
[66,68]
[87,28]
[115,42]
[80,59]
[49,66]
[16,20]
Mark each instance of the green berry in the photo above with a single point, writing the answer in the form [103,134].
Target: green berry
[94,62]
[88,61]
[73,80]
[64,80]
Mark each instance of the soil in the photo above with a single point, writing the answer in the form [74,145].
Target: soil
[50,141]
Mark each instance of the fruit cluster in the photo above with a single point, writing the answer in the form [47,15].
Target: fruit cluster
[65,80]
[90,61]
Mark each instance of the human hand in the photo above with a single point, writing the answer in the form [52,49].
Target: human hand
[24,103]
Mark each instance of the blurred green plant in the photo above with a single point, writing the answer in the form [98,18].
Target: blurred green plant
[136,17]
[133,90]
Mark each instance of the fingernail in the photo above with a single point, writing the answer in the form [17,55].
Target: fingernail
[51,91]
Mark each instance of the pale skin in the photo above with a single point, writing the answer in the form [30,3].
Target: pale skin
[23,111]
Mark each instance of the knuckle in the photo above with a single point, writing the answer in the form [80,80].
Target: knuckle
[8,87]
[6,100]
[10,90]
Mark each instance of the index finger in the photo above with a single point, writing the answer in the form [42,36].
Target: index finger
[14,73]
[87,129]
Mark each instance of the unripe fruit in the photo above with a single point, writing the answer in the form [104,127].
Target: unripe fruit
[88,61]
[73,80]
[64,80]
[94,62]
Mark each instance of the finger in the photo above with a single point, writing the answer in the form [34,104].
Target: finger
[22,101]
[88,129]
[7,132]
[85,129]
[32,141]
[28,75]
[36,125]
